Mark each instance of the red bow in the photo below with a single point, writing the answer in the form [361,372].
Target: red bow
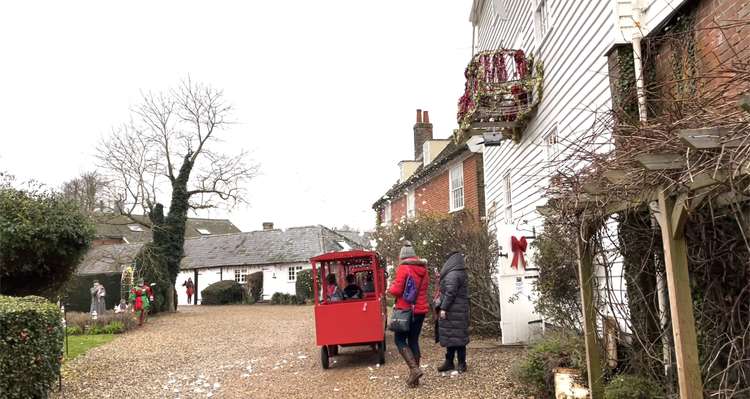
[519,248]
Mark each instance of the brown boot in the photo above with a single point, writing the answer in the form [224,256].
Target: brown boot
[415,373]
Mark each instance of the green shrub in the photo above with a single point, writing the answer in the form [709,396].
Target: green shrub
[31,346]
[43,237]
[114,327]
[304,285]
[221,293]
[632,387]
[73,330]
[276,298]
[255,286]
[95,329]
[535,370]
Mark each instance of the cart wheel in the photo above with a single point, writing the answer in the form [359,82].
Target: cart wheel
[334,350]
[381,352]
[324,356]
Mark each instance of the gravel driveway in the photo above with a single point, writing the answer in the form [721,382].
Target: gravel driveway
[264,351]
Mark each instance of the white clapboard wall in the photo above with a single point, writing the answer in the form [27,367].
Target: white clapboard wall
[576,89]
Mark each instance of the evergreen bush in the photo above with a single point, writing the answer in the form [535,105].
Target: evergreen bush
[255,286]
[632,387]
[536,370]
[304,285]
[43,237]
[221,293]
[30,346]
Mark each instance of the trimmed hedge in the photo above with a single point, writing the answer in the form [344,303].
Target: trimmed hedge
[286,299]
[31,344]
[221,293]
[77,296]
[304,285]
[255,286]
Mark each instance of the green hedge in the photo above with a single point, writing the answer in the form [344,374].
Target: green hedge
[31,343]
[304,285]
[255,286]
[77,296]
[632,387]
[286,299]
[221,293]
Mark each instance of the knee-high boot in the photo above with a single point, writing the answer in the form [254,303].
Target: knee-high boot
[415,372]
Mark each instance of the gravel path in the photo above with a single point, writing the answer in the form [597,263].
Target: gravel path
[264,351]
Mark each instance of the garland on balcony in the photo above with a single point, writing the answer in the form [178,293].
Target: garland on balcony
[501,85]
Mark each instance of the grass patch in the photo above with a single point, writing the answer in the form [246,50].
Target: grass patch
[79,344]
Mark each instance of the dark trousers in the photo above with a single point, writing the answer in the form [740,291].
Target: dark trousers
[452,351]
[411,338]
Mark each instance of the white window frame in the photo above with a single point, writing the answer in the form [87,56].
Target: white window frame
[542,21]
[137,228]
[508,197]
[203,231]
[411,205]
[455,192]
[240,274]
[292,272]
[387,213]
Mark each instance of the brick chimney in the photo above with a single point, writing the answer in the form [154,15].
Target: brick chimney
[422,132]
[267,225]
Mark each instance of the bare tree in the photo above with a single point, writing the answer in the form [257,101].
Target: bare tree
[169,149]
[88,190]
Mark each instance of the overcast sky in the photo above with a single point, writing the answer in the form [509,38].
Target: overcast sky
[325,92]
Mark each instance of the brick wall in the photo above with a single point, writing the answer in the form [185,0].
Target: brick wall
[673,58]
[433,197]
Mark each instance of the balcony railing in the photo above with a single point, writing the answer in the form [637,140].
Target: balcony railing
[503,89]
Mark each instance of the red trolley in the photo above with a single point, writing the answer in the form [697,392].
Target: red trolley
[341,322]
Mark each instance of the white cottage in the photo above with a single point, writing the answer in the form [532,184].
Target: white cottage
[571,39]
[279,254]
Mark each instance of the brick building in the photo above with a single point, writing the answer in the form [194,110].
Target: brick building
[445,176]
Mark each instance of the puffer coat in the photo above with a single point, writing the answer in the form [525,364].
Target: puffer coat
[454,300]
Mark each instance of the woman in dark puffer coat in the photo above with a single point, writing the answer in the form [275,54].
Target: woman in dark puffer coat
[453,308]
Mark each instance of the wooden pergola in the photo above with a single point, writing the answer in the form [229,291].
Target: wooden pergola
[674,207]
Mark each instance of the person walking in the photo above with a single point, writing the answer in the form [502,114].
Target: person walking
[189,288]
[414,269]
[453,311]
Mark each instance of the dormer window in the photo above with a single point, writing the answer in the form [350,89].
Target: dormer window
[203,232]
[135,228]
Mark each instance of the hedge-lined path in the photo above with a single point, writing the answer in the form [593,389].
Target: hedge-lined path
[264,351]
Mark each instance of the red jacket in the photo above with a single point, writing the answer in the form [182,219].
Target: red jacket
[418,270]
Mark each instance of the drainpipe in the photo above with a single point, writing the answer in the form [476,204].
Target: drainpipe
[638,60]
[661,285]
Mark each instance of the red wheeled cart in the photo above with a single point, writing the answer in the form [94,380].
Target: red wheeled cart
[341,321]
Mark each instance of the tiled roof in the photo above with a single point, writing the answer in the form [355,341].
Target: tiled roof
[297,244]
[362,238]
[118,226]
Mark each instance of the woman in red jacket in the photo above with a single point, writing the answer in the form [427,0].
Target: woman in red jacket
[408,342]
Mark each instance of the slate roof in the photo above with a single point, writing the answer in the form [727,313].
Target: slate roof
[264,247]
[116,226]
[108,258]
[361,238]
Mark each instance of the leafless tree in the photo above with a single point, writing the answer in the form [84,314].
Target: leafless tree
[88,190]
[169,148]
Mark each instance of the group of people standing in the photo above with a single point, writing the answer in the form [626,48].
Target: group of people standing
[450,304]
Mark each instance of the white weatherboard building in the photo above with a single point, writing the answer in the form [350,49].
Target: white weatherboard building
[572,39]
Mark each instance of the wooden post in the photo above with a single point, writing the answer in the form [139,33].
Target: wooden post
[586,281]
[680,300]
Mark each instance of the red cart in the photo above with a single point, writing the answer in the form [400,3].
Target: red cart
[342,322]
